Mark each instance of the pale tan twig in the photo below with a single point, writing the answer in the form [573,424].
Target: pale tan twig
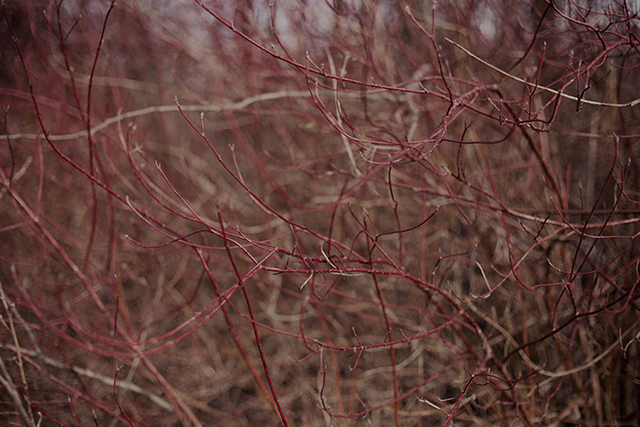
[7,383]
[124,385]
[560,372]
[26,414]
[270,96]
[166,109]
[538,86]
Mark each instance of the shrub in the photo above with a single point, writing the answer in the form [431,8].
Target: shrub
[334,213]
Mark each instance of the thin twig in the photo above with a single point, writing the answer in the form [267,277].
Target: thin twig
[538,86]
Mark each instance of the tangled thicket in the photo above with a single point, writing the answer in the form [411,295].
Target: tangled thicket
[320,213]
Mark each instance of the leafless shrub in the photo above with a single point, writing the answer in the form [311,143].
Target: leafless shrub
[333,213]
